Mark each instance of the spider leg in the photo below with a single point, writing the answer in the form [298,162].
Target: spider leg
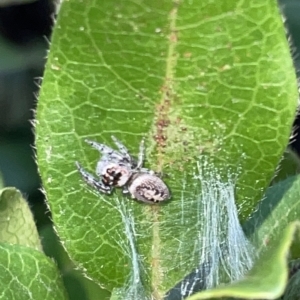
[151,172]
[145,170]
[125,190]
[123,150]
[92,181]
[141,154]
[105,150]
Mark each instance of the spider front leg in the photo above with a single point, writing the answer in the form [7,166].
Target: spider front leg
[92,181]
[105,150]
[123,150]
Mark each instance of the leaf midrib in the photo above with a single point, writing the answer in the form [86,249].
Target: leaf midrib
[161,124]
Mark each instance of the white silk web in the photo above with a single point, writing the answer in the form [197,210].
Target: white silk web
[225,249]
[221,250]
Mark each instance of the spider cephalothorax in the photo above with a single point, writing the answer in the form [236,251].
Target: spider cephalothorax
[120,169]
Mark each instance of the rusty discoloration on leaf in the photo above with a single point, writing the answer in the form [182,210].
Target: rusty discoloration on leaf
[162,111]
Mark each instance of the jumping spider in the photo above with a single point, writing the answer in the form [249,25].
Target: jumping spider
[120,169]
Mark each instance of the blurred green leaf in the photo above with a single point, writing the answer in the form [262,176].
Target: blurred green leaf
[205,79]
[15,58]
[17,224]
[92,291]
[292,290]
[77,286]
[17,164]
[1,182]
[288,166]
[28,274]
[279,207]
[267,279]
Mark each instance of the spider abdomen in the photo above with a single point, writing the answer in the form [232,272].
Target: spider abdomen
[148,188]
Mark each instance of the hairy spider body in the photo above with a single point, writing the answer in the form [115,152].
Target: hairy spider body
[114,174]
[120,169]
[148,188]
[114,168]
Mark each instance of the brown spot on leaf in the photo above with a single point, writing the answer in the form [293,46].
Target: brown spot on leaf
[187,54]
[173,37]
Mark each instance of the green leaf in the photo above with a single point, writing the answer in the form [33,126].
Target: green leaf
[292,290]
[77,286]
[288,166]
[197,79]
[1,182]
[17,224]
[28,274]
[279,207]
[74,281]
[267,279]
